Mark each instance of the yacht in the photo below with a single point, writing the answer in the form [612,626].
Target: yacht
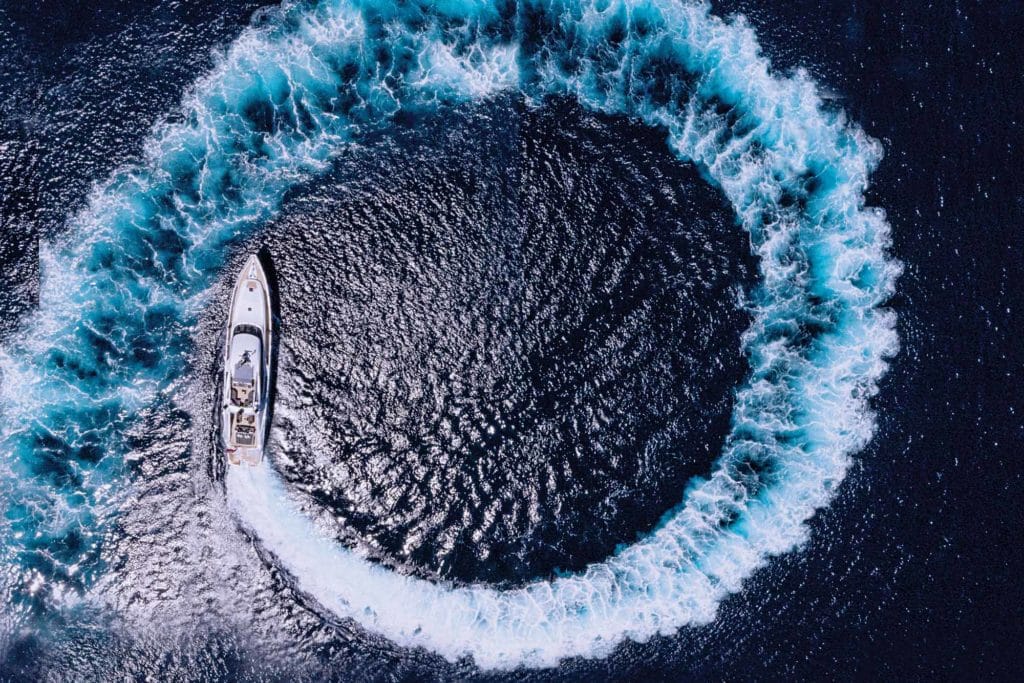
[247,355]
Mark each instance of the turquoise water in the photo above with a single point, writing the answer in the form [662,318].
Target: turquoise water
[122,291]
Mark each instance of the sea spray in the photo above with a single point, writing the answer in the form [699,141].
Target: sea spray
[288,96]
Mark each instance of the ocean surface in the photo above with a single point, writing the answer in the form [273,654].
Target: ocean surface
[618,340]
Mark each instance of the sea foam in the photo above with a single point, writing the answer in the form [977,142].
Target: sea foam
[280,103]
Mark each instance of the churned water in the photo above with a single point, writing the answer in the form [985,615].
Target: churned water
[582,308]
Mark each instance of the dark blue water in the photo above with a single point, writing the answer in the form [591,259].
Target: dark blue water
[531,313]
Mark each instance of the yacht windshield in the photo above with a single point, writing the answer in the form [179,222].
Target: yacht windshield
[250,330]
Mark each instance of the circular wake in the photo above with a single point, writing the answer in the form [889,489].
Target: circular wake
[285,98]
[524,343]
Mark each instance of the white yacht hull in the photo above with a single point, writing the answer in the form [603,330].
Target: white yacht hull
[248,352]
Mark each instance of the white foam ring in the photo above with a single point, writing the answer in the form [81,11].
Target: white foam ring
[801,414]
[794,172]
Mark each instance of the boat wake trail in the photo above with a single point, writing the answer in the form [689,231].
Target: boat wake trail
[292,92]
